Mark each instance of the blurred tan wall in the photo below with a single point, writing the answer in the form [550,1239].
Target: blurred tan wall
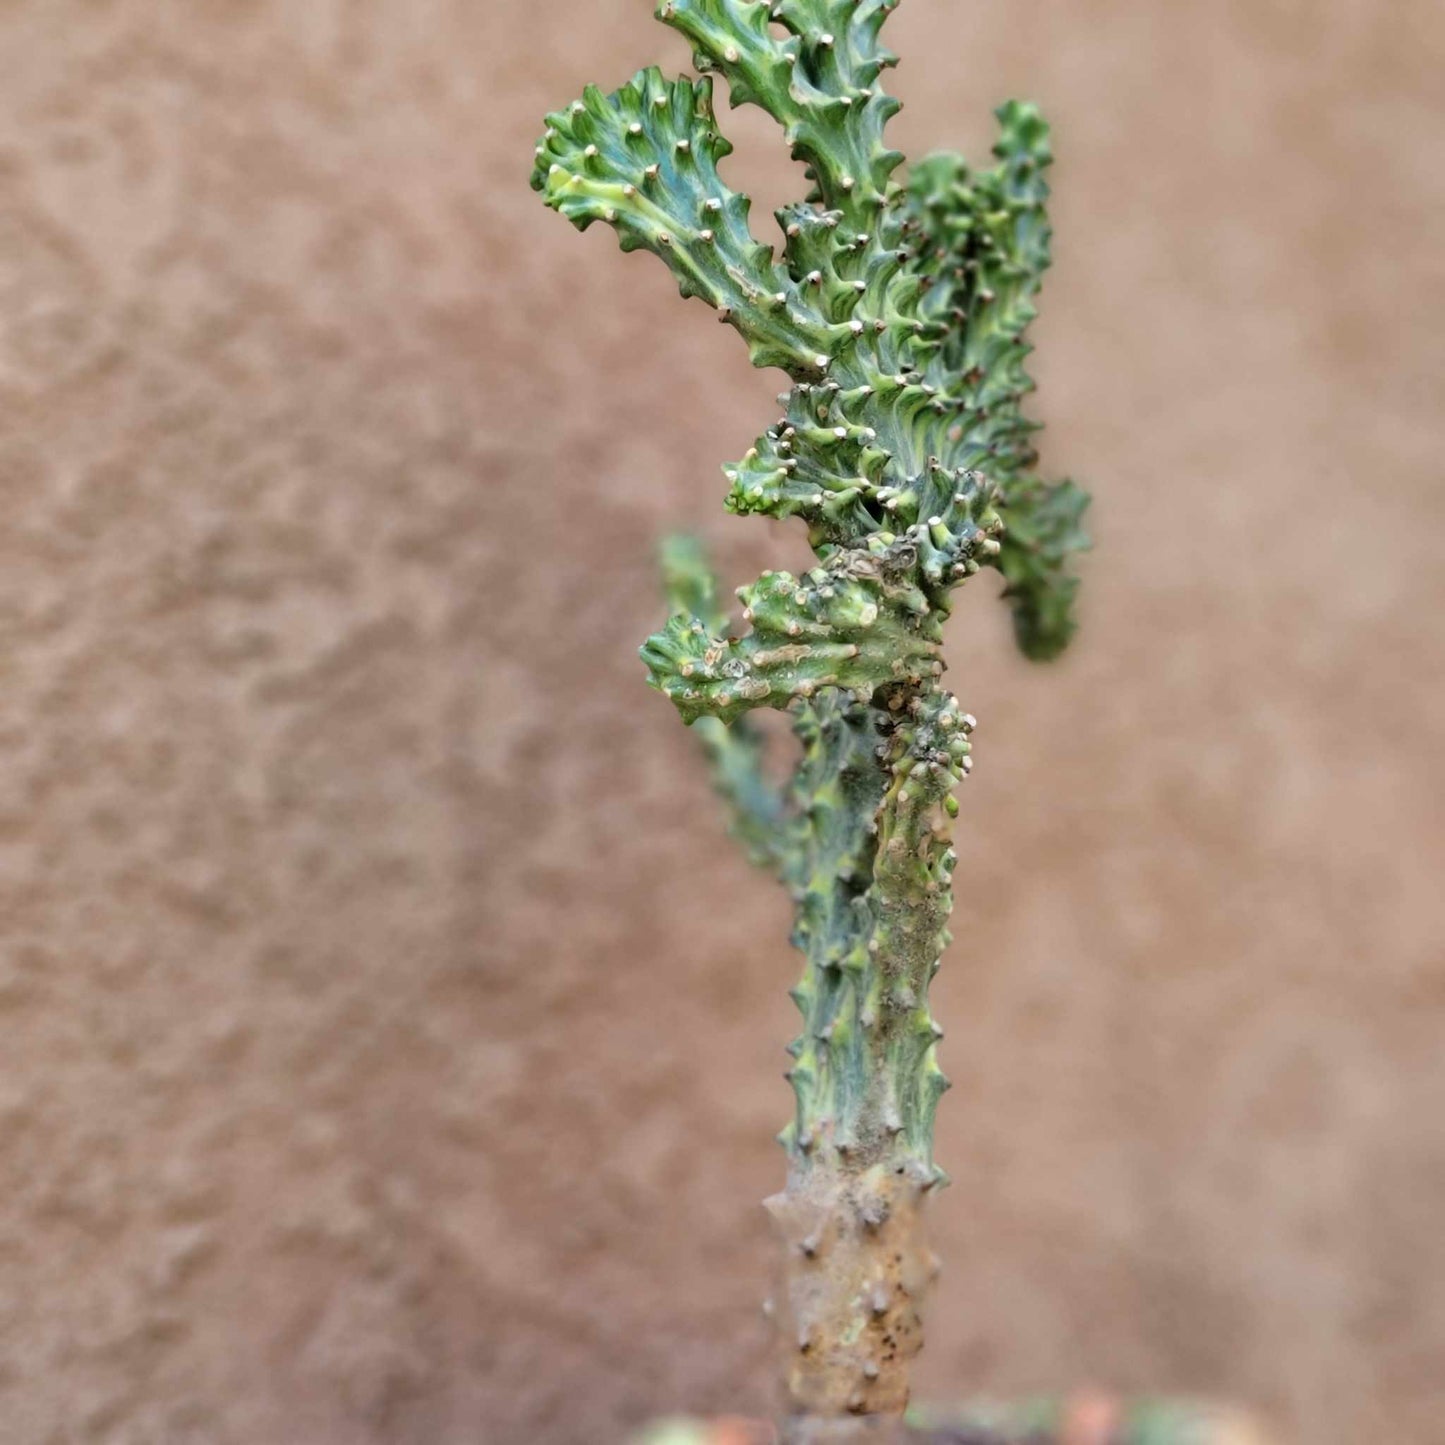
[391,1036]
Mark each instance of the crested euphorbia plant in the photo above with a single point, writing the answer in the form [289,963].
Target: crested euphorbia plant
[898,310]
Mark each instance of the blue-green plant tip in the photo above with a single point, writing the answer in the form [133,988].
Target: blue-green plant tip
[900,313]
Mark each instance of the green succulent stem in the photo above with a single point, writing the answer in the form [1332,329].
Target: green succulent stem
[899,313]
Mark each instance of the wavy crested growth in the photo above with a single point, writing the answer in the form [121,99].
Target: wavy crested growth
[899,309]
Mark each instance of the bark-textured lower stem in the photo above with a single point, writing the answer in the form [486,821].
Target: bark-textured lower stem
[855,1270]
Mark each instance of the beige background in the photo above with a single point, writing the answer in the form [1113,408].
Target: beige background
[391,1036]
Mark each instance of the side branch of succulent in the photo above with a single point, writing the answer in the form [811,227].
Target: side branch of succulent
[899,312]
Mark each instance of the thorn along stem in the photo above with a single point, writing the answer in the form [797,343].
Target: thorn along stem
[899,313]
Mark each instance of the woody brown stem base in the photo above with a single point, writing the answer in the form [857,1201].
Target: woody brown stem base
[856,1269]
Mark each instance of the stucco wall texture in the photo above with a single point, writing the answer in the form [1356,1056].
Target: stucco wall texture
[392,1037]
